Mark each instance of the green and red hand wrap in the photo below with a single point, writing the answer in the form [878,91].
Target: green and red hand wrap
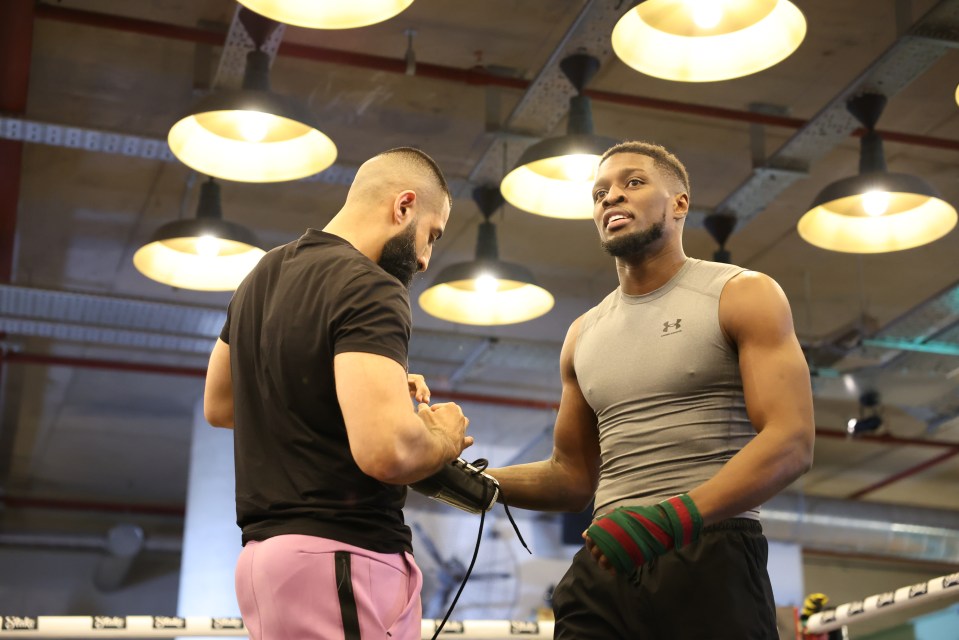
[631,536]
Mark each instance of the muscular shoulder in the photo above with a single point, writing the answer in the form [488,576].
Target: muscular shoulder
[752,304]
[567,356]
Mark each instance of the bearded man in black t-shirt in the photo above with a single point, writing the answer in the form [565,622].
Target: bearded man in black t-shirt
[310,372]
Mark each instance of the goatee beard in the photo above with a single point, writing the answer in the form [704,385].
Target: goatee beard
[635,245]
[399,256]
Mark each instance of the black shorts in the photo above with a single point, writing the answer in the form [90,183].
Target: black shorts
[713,589]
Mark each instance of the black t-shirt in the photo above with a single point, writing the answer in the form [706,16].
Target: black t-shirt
[304,303]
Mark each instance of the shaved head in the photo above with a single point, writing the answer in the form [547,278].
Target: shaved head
[384,175]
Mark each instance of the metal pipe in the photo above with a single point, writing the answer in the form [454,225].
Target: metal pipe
[474,76]
[864,528]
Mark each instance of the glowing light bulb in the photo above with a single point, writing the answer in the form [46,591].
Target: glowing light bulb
[253,125]
[875,202]
[486,284]
[579,167]
[208,246]
[706,13]
[851,425]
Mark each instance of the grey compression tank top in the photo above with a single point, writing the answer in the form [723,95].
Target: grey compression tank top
[664,383]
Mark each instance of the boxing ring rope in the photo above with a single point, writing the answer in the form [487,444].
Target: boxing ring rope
[38,627]
[882,603]
[42,627]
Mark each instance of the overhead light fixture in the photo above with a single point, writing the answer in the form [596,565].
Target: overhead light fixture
[720,226]
[486,291]
[875,211]
[328,14]
[554,177]
[206,253]
[252,134]
[869,419]
[707,40]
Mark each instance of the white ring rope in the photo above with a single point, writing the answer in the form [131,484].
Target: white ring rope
[38,627]
[42,627]
[882,603]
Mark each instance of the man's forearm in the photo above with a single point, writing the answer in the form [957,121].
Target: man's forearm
[763,468]
[542,486]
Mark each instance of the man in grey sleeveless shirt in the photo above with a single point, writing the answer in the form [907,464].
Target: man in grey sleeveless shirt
[686,404]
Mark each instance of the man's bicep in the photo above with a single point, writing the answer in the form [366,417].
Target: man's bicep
[369,387]
[218,389]
[774,371]
[575,437]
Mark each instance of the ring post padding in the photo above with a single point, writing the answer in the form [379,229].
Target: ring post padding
[882,603]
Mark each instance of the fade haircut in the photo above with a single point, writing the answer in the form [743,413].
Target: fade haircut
[421,161]
[663,160]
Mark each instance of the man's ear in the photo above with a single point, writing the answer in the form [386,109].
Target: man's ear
[403,206]
[680,205]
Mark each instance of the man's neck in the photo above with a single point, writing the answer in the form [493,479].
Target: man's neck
[348,225]
[646,273]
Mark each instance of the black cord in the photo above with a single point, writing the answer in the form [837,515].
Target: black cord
[480,464]
[469,570]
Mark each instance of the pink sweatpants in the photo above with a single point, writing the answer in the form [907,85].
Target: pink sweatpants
[287,587]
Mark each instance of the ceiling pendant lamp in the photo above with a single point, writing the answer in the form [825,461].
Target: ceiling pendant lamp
[328,14]
[252,134]
[486,291]
[875,211]
[707,40]
[206,253]
[554,177]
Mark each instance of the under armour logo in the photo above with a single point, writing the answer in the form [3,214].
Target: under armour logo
[672,325]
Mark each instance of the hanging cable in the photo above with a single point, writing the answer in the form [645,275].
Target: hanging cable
[479,465]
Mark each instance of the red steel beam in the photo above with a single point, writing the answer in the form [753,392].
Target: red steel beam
[474,76]
[902,475]
[25,502]
[144,367]
[141,367]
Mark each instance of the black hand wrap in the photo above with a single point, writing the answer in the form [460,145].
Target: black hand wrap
[461,485]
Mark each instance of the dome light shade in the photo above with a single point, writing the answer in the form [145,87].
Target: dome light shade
[486,291]
[251,134]
[206,253]
[875,211]
[554,177]
[707,40]
[328,14]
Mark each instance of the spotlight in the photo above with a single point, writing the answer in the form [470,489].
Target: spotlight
[869,419]
[858,426]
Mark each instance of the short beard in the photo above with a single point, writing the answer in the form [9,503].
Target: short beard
[398,257]
[636,244]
